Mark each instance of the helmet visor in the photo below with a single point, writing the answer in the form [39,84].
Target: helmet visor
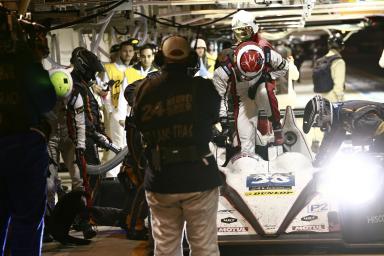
[318,113]
[243,34]
[311,116]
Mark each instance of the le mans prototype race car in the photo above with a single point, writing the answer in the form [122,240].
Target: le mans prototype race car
[285,200]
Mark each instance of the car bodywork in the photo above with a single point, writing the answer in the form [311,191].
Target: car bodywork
[279,200]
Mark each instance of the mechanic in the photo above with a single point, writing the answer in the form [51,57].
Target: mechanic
[175,113]
[363,120]
[60,142]
[133,169]
[238,92]
[84,121]
[26,95]
[132,175]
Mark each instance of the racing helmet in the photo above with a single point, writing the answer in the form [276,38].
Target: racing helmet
[244,26]
[336,42]
[318,113]
[61,80]
[114,48]
[86,63]
[249,59]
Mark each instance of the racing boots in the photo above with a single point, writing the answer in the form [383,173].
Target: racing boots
[87,229]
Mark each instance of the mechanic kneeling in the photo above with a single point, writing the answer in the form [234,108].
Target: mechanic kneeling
[175,113]
[364,120]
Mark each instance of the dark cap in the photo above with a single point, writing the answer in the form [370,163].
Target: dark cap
[114,48]
[132,41]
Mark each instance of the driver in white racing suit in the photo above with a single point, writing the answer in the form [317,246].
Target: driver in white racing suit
[247,89]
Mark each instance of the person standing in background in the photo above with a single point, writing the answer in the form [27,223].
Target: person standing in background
[211,57]
[114,103]
[201,50]
[142,68]
[338,68]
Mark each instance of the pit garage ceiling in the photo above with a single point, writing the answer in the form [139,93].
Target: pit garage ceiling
[207,15]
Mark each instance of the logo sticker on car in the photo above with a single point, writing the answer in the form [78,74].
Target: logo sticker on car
[309,218]
[322,207]
[375,219]
[228,220]
[269,193]
[269,181]
[309,228]
[232,229]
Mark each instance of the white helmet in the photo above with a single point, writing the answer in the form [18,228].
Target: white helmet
[250,59]
[243,19]
[61,80]
[200,43]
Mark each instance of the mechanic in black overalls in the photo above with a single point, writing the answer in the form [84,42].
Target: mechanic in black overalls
[175,114]
[86,65]
[132,172]
[26,94]
[364,120]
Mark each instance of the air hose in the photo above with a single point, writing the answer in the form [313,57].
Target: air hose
[109,165]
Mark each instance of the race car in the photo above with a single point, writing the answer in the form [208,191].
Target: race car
[283,199]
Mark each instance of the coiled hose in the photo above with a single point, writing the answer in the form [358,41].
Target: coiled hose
[109,165]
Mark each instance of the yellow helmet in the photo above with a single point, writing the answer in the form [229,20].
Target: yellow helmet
[62,81]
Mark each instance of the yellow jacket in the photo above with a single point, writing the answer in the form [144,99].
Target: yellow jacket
[118,76]
[211,60]
[136,72]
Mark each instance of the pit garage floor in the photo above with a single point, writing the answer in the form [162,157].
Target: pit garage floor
[112,241]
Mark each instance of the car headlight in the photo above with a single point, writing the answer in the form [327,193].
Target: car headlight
[352,179]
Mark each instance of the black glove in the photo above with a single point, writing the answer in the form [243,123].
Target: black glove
[100,139]
[80,157]
[265,77]
[224,122]
[105,142]
[221,139]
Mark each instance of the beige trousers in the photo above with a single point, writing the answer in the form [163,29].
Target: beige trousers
[199,212]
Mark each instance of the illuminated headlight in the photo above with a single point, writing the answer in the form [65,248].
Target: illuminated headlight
[351,179]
